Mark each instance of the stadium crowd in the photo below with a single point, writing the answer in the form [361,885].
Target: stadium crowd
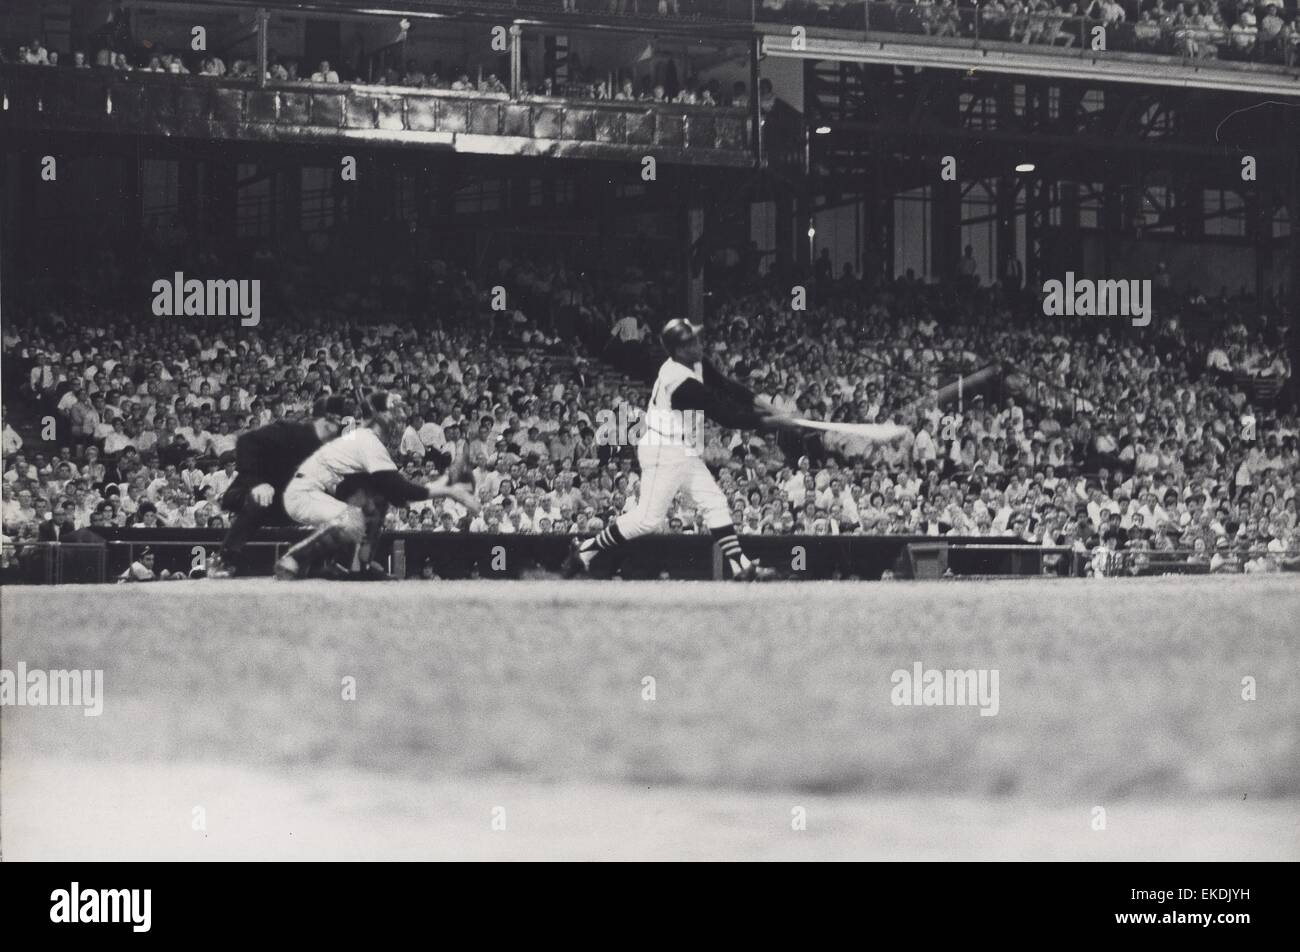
[1258,30]
[630,84]
[1246,30]
[1085,435]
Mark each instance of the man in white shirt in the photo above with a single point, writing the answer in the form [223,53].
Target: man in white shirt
[44,375]
[71,397]
[222,442]
[324,74]
[191,475]
[924,449]
[37,55]
[433,436]
[628,330]
[10,441]
[218,481]
[411,445]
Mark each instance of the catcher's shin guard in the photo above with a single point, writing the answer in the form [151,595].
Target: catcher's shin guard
[374,509]
[375,513]
[347,530]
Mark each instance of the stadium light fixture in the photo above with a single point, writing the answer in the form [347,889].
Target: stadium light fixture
[1026,167]
[823,130]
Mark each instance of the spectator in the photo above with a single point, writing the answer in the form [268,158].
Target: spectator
[324,73]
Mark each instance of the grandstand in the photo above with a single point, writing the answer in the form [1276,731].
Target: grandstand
[522,171]
[493,208]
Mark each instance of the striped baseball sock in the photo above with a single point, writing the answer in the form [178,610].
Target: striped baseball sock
[607,539]
[726,539]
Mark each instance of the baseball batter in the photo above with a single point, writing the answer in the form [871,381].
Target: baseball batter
[687,389]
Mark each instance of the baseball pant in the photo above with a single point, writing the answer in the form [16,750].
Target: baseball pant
[665,471]
[311,506]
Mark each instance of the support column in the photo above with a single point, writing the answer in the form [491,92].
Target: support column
[878,226]
[803,222]
[945,230]
[755,108]
[189,193]
[133,223]
[1190,207]
[289,207]
[1005,201]
[263,21]
[1041,254]
[1112,216]
[1293,216]
[785,222]
[1071,242]
[1258,230]
[516,60]
[220,199]
[693,290]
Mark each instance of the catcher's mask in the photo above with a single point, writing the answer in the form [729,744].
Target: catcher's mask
[385,412]
[334,409]
[677,333]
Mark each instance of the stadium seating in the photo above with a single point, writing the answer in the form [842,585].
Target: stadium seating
[1071,433]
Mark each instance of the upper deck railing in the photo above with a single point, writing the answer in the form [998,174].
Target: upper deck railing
[105,100]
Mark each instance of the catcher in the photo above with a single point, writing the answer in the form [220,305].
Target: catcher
[358,467]
[265,461]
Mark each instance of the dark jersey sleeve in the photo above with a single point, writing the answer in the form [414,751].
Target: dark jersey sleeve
[693,395]
[395,487]
[715,379]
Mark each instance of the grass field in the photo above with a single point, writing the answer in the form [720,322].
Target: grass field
[529,697]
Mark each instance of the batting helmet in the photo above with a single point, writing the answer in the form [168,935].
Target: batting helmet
[677,333]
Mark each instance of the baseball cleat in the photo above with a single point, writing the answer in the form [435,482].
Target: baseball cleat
[287,569]
[217,568]
[373,572]
[756,572]
[333,570]
[573,563]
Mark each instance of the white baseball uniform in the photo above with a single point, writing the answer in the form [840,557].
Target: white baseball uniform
[670,458]
[309,499]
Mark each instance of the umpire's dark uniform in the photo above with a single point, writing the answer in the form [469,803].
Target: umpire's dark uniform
[270,454]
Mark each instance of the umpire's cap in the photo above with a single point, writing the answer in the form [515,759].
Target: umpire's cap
[677,333]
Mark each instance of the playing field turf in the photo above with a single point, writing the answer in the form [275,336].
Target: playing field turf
[529,697]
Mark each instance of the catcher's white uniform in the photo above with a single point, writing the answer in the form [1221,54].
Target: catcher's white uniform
[669,453]
[309,499]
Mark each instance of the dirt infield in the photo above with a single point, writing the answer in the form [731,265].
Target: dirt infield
[531,697]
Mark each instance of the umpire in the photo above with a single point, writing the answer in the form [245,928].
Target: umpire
[265,461]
